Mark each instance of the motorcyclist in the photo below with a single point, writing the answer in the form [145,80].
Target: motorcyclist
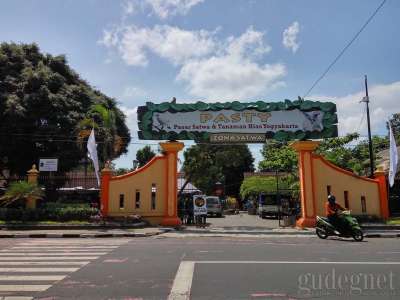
[332,210]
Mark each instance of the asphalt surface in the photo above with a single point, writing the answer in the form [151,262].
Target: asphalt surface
[277,267]
[243,221]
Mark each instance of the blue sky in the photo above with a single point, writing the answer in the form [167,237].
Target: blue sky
[153,50]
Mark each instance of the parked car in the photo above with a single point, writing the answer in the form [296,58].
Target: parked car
[214,206]
[268,205]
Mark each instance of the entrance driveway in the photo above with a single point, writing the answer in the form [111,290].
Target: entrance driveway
[242,221]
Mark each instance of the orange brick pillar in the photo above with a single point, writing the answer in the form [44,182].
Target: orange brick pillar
[171,150]
[106,174]
[307,182]
[383,194]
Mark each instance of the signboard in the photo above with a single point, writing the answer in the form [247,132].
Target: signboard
[238,122]
[48,164]
[199,205]
[237,138]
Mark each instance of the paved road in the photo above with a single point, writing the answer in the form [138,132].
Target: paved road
[204,268]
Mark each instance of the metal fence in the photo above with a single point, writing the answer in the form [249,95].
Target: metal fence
[69,181]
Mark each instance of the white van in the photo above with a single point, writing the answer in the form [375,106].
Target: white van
[214,206]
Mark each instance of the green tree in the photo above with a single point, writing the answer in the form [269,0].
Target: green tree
[360,162]
[43,105]
[346,152]
[21,191]
[338,151]
[255,185]
[278,156]
[395,123]
[205,165]
[144,155]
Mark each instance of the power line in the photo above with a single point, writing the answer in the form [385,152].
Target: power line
[362,120]
[344,49]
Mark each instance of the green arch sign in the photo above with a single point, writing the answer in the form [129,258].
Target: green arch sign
[251,122]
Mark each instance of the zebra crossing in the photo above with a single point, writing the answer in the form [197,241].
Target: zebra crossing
[34,266]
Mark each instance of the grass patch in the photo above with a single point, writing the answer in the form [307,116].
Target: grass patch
[393,221]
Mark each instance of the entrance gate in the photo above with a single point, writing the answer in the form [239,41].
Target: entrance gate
[151,191]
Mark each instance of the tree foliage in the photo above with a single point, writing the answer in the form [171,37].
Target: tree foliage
[144,155]
[255,185]
[395,124]
[278,156]
[205,165]
[21,190]
[47,110]
[342,152]
[346,152]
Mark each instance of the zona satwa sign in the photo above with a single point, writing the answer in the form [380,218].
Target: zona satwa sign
[237,121]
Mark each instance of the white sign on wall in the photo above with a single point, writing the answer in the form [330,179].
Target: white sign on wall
[199,205]
[246,121]
[48,164]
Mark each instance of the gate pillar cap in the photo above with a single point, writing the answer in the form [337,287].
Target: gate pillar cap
[305,145]
[107,167]
[172,146]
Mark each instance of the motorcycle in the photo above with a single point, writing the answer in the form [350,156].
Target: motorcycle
[353,230]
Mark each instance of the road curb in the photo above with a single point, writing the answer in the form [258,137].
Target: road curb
[277,233]
[80,235]
[72,226]
[382,235]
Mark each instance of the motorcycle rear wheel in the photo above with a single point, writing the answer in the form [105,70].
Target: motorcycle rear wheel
[321,233]
[358,235]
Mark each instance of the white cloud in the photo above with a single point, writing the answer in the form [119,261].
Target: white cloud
[227,77]
[384,101]
[172,43]
[131,119]
[166,8]
[210,68]
[129,7]
[233,73]
[163,9]
[249,43]
[290,37]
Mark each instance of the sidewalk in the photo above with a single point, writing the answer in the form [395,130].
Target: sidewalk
[77,233]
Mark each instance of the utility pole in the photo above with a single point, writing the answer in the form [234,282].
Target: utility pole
[371,154]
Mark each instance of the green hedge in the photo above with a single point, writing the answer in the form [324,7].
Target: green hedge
[49,212]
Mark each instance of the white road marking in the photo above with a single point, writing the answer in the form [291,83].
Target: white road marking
[298,262]
[43,263]
[32,277]
[184,276]
[47,258]
[23,288]
[182,282]
[37,260]
[15,298]
[49,253]
[72,243]
[63,247]
[37,270]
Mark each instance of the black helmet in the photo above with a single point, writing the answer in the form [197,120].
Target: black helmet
[331,199]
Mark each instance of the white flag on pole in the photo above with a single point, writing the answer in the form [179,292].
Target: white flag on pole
[92,149]
[393,157]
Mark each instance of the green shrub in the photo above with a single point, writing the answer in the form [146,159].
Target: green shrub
[49,212]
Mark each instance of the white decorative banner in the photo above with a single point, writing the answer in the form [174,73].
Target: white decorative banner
[246,121]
